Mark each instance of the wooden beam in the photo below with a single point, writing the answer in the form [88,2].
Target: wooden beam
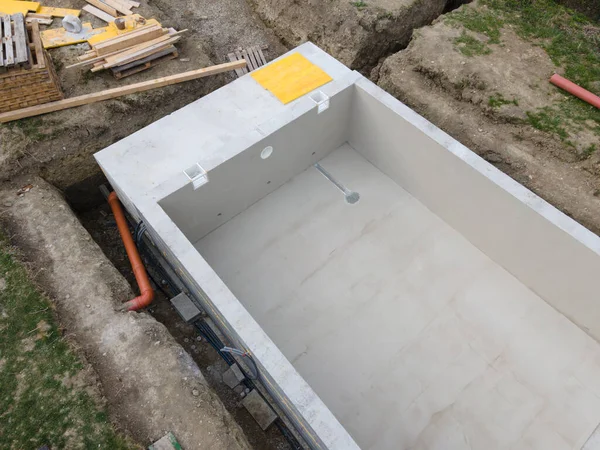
[118,6]
[127,40]
[104,7]
[98,13]
[118,92]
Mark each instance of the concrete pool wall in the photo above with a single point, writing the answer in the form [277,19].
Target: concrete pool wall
[432,313]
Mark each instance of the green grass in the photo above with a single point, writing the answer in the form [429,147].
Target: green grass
[545,119]
[359,5]
[571,41]
[498,100]
[484,22]
[39,403]
[470,46]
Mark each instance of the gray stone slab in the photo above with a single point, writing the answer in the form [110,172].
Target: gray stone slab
[186,308]
[233,376]
[262,413]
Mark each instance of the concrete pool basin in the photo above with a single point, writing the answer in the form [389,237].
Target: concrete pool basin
[395,290]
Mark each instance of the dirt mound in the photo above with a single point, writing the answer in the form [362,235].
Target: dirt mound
[495,98]
[358,33]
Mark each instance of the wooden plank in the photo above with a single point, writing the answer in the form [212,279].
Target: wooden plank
[262,56]
[128,35]
[253,58]
[103,7]
[58,12]
[128,40]
[120,91]
[119,60]
[9,57]
[144,64]
[20,39]
[118,6]
[131,3]
[40,21]
[37,45]
[240,57]
[233,58]
[136,49]
[98,13]
[1,41]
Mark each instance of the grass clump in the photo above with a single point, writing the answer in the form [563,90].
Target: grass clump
[546,120]
[484,22]
[359,5]
[498,100]
[471,46]
[40,401]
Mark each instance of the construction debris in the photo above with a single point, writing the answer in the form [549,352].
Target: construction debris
[35,82]
[253,55]
[133,51]
[118,92]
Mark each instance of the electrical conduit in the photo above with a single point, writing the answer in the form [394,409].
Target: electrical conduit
[146,293]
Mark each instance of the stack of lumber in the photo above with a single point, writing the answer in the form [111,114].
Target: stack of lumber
[132,52]
[105,9]
[32,83]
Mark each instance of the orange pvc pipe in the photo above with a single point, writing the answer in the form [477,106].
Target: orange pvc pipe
[146,293]
[576,90]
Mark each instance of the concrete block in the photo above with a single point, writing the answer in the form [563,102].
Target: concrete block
[233,376]
[186,308]
[262,413]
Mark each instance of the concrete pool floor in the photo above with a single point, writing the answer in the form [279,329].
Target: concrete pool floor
[411,336]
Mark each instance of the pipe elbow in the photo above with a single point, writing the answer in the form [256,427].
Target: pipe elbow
[139,302]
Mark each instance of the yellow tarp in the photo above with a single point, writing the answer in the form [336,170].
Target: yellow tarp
[111,31]
[58,12]
[291,77]
[14,7]
[59,37]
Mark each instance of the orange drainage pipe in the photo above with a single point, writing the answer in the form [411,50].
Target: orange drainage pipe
[146,292]
[576,90]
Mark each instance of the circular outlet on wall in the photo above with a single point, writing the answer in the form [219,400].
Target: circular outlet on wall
[266,152]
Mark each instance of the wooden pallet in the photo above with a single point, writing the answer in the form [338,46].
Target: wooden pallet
[13,41]
[254,59]
[21,86]
[145,63]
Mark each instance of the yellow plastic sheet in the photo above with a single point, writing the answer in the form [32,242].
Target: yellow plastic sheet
[291,77]
[59,37]
[58,12]
[14,7]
